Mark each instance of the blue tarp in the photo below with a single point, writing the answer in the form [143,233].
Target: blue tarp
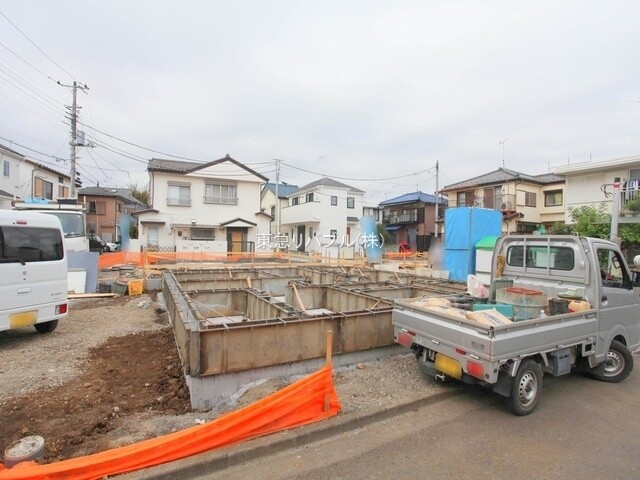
[463,227]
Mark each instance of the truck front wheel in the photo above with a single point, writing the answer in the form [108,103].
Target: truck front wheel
[526,388]
[616,367]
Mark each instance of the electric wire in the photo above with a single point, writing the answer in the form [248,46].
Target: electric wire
[357,179]
[34,44]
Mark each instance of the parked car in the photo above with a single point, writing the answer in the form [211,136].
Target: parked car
[97,244]
[113,247]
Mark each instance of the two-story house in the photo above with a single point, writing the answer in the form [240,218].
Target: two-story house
[212,206]
[22,178]
[526,201]
[324,214]
[411,218]
[269,204]
[592,184]
[108,211]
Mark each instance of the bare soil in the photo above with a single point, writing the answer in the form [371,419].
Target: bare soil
[109,375]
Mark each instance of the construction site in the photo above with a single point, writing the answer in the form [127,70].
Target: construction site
[241,321]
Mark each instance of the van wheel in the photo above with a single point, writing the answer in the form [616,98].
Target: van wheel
[616,367]
[526,388]
[46,327]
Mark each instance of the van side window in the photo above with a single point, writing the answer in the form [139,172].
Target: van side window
[30,244]
[612,271]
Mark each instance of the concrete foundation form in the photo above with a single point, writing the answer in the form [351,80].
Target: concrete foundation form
[234,326]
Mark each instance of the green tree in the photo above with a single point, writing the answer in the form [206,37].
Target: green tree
[590,221]
[139,193]
[596,222]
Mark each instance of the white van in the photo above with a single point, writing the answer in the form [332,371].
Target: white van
[33,271]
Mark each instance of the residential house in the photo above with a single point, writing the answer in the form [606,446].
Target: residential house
[527,202]
[324,216]
[109,211]
[372,211]
[268,201]
[411,218]
[23,178]
[592,184]
[212,206]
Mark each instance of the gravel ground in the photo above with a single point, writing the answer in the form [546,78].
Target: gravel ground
[30,361]
[48,380]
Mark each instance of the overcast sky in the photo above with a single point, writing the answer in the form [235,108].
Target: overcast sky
[372,93]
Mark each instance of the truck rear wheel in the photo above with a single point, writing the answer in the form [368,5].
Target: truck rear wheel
[526,388]
[46,327]
[616,367]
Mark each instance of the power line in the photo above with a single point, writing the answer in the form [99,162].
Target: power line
[11,142]
[32,66]
[358,179]
[34,44]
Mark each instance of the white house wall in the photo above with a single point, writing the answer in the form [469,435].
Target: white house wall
[12,184]
[178,219]
[584,182]
[322,218]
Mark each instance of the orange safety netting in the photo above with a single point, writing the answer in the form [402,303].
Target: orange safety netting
[140,259]
[308,400]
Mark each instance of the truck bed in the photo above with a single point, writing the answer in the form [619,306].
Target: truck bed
[458,337]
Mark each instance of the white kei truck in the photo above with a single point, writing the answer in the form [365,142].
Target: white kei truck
[33,271]
[511,357]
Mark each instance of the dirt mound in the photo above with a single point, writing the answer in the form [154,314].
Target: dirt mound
[125,375]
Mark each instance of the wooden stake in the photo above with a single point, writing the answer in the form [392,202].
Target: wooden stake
[329,347]
[300,304]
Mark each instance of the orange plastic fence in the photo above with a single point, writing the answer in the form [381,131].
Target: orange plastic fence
[308,400]
[107,260]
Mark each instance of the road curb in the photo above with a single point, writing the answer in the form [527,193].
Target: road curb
[220,459]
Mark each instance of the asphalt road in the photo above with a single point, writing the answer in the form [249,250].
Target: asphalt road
[581,429]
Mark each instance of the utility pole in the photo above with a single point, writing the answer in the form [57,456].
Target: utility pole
[74,132]
[277,211]
[435,228]
[615,211]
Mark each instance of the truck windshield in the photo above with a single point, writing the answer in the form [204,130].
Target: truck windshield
[72,223]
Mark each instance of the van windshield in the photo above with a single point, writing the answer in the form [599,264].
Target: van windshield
[30,244]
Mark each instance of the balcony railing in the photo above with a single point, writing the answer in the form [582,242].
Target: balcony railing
[411,217]
[498,202]
[221,200]
[179,202]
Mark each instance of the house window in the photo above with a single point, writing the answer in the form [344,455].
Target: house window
[466,198]
[43,189]
[460,198]
[97,207]
[529,199]
[179,194]
[351,202]
[295,201]
[6,168]
[63,192]
[202,234]
[553,199]
[221,194]
[118,207]
[273,211]
[634,174]
[334,200]
[308,197]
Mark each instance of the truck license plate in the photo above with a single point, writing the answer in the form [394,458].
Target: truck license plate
[23,319]
[448,366]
